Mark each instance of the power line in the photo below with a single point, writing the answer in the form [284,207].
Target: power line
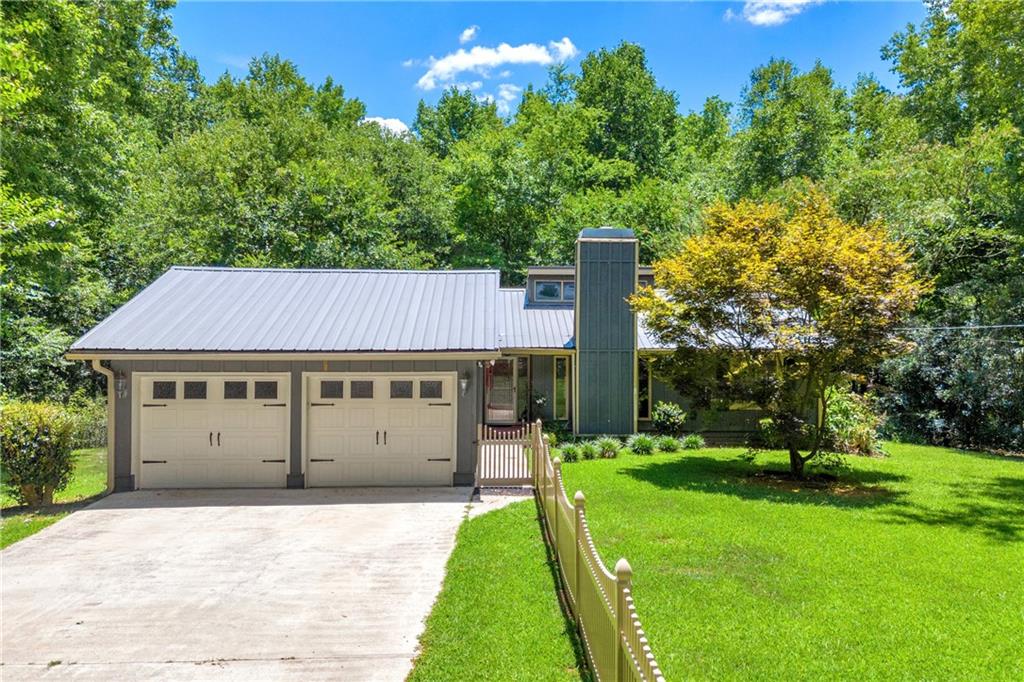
[954,328]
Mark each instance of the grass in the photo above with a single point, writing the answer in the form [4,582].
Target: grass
[498,617]
[912,567]
[88,481]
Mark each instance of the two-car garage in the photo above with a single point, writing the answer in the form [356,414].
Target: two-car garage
[234,430]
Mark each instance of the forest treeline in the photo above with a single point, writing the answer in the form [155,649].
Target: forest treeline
[119,161]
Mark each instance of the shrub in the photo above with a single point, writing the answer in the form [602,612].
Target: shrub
[608,447]
[667,443]
[557,432]
[570,453]
[641,444]
[852,426]
[36,448]
[589,450]
[668,419]
[694,441]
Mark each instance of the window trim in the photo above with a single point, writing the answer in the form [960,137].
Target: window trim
[554,387]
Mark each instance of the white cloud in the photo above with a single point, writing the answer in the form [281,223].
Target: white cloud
[507,94]
[468,34]
[481,60]
[393,125]
[770,12]
[409,62]
[234,61]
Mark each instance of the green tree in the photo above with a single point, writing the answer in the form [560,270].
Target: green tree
[778,307]
[458,115]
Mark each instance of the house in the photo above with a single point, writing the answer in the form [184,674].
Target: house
[226,377]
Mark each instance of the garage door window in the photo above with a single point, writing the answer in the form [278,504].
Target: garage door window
[332,389]
[236,390]
[401,389]
[164,390]
[430,389]
[195,390]
[265,390]
[362,389]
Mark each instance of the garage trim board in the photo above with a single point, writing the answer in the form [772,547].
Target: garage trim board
[379,428]
[211,429]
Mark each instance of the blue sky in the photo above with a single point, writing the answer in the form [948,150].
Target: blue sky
[391,55]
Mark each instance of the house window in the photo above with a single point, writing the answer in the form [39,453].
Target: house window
[569,291]
[401,389]
[430,389]
[561,407]
[164,390]
[265,390]
[361,389]
[195,390]
[332,389]
[643,404]
[547,292]
[236,390]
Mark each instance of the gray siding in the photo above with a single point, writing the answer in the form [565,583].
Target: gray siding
[606,336]
[718,427]
[470,406]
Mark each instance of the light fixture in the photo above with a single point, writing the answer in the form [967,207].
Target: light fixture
[121,384]
[464,383]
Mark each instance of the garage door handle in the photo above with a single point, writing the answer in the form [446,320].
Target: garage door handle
[211,439]
[378,438]
[274,460]
[439,404]
[275,404]
[321,404]
[218,439]
[385,437]
[154,461]
[439,459]
[314,459]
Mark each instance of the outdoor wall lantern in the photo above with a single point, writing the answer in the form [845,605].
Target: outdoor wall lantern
[464,383]
[121,384]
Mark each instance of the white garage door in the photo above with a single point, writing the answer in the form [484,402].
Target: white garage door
[213,431]
[390,429]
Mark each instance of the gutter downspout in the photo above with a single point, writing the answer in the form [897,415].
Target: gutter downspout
[109,374]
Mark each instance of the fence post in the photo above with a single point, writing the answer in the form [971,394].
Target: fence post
[556,486]
[479,451]
[623,580]
[535,444]
[579,504]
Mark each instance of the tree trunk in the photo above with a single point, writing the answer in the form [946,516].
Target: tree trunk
[37,495]
[796,462]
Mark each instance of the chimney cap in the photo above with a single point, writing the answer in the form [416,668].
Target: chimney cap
[609,233]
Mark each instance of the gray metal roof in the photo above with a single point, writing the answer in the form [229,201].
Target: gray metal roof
[607,233]
[532,326]
[236,309]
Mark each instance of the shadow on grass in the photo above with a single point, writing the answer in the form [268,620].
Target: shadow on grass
[751,482]
[54,509]
[993,507]
[563,600]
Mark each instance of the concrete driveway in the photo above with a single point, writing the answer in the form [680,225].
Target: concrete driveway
[229,585]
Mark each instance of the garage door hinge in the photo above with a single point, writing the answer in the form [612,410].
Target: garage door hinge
[154,461]
[154,404]
[314,459]
[439,404]
[274,460]
[439,459]
[275,404]
[321,404]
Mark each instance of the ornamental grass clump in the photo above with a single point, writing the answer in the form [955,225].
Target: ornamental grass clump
[667,444]
[694,441]
[588,450]
[570,453]
[608,447]
[641,444]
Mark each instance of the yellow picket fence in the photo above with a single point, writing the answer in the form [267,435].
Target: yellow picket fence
[602,602]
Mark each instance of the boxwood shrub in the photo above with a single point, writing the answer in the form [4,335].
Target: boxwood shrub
[37,440]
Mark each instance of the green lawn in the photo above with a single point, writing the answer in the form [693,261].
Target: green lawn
[498,617]
[914,569]
[88,481]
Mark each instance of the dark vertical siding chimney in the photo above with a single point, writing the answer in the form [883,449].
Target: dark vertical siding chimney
[606,275]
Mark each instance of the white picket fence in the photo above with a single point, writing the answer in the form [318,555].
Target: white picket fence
[502,455]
